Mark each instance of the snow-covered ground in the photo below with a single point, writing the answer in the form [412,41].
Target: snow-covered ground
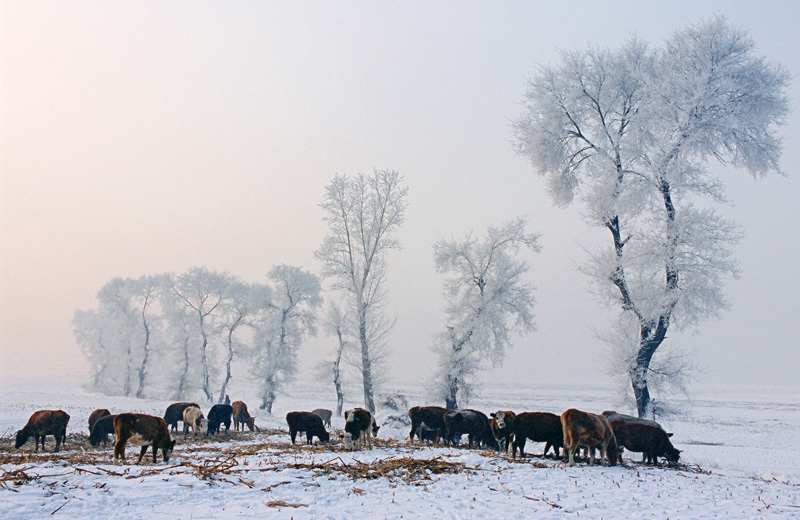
[741,455]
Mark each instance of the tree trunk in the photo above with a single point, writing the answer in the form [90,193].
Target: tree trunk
[337,376]
[144,359]
[204,361]
[185,375]
[450,402]
[649,342]
[228,361]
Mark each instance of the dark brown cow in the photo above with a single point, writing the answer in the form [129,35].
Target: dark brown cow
[647,439]
[325,415]
[616,416]
[426,419]
[44,423]
[174,413]
[142,430]
[359,425]
[501,425]
[95,415]
[472,423]
[101,429]
[307,422]
[218,415]
[538,427]
[590,430]
[242,417]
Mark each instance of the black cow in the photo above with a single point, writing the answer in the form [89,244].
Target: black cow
[647,439]
[218,415]
[100,430]
[472,423]
[309,423]
[174,414]
[538,427]
[427,419]
[359,425]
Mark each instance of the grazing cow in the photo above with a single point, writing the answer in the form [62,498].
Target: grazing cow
[427,419]
[242,417]
[174,413]
[652,442]
[193,418]
[307,422]
[100,430]
[472,423]
[95,415]
[590,430]
[324,414]
[142,430]
[359,425]
[44,423]
[501,426]
[219,414]
[614,416]
[538,427]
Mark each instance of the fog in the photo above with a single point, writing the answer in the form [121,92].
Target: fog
[148,137]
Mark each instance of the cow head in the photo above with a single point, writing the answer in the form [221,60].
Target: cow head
[500,419]
[324,436]
[167,448]
[22,438]
[203,425]
[672,455]
[349,443]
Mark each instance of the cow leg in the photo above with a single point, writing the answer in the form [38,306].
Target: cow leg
[293,435]
[571,454]
[119,448]
[58,441]
[141,454]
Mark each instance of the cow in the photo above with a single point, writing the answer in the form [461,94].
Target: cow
[590,430]
[307,422]
[218,415]
[100,430]
[652,442]
[359,425]
[242,417]
[95,415]
[425,418]
[174,413]
[501,426]
[324,414]
[142,430]
[472,423]
[538,427]
[44,423]
[193,418]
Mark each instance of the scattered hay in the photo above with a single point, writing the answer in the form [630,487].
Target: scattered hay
[281,503]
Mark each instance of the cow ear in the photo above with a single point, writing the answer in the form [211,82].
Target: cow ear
[669,435]
[492,414]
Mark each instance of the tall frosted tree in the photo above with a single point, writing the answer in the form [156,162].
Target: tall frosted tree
[631,133]
[363,214]
[489,298]
[289,317]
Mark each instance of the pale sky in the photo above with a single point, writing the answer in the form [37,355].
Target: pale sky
[140,138]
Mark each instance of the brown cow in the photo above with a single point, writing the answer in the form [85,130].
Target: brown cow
[501,426]
[142,430]
[44,423]
[590,430]
[538,427]
[97,414]
[426,419]
[242,417]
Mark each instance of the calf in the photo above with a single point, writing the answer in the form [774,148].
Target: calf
[100,430]
[427,419]
[472,423]
[501,426]
[95,415]
[538,427]
[359,425]
[307,422]
[44,423]
[142,430]
[652,442]
[218,415]
[324,414]
[590,430]
[174,413]
[242,417]
[193,418]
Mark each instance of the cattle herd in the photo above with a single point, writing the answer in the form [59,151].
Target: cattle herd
[504,431]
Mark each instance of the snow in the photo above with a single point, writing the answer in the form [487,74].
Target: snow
[741,455]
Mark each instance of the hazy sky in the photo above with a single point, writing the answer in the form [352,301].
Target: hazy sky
[147,137]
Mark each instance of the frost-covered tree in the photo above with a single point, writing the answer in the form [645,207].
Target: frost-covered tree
[631,133]
[363,215]
[237,309]
[289,317]
[198,295]
[488,299]
[335,324]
